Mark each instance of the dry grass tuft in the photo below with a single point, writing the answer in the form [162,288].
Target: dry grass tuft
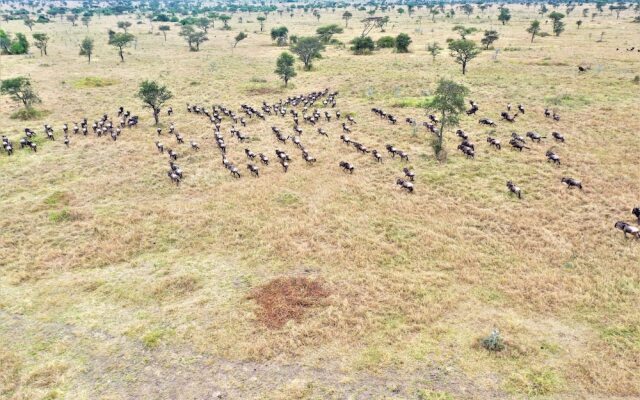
[285,299]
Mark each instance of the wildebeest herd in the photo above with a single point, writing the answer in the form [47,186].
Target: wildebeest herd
[303,109]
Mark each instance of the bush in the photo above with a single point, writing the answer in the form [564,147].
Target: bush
[386,42]
[362,45]
[60,216]
[27,114]
[493,342]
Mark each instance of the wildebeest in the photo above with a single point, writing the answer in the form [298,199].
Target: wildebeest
[628,229]
[406,185]
[570,182]
[487,121]
[514,189]
[551,156]
[347,167]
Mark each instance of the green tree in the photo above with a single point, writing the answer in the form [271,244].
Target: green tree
[346,16]
[20,89]
[402,43]
[203,23]
[362,45]
[41,40]
[239,37]
[86,19]
[449,102]
[386,42]
[463,51]
[326,32]
[124,25]
[308,48]
[534,29]
[464,31]
[261,20]
[5,42]
[490,36]
[29,23]
[434,49]
[225,20]
[86,48]
[579,23]
[467,9]
[284,67]
[505,15]
[154,96]
[558,24]
[193,37]
[280,35]
[121,40]
[19,45]
[164,29]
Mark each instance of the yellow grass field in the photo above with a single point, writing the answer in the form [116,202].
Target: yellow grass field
[116,284]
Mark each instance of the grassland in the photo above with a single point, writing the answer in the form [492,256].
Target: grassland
[116,284]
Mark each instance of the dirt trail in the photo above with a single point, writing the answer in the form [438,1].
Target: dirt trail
[121,367]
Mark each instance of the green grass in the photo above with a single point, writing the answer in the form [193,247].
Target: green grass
[93,82]
[535,382]
[60,216]
[28,114]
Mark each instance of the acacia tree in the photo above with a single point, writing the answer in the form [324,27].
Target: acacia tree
[463,51]
[464,31]
[490,36]
[505,15]
[203,23]
[86,20]
[280,35]
[434,49]
[124,25]
[29,23]
[325,33]
[308,48]
[86,48]
[164,29]
[448,101]
[579,23]
[467,9]
[72,18]
[193,37]
[346,16]
[20,89]
[154,96]
[121,40]
[558,24]
[225,20]
[41,40]
[261,20]
[239,37]
[534,29]
[284,67]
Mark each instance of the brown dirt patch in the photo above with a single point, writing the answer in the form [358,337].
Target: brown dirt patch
[285,299]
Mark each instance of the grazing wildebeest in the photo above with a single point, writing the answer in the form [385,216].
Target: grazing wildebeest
[347,167]
[514,189]
[570,182]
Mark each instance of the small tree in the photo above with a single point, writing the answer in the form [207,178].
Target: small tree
[261,20]
[534,29]
[124,25]
[402,43]
[86,48]
[239,37]
[225,20]
[86,20]
[326,32]
[463,51]
[467,9]
[192,37]
[29,23]
[434,49]
[464,31]
[579,23]
[308,48]
[164,29]
[280,35]
[448,101]
[489,37]
[362,45]
[203,23]
[154,96]
[41,40]
[72,18]
[284,67]
[505,15]
[558,24]
[346,16]
[20,89]
[121,40]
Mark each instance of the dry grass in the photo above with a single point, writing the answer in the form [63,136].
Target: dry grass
[285,299]
[94,238]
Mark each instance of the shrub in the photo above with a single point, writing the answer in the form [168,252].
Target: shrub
[60,216]
[27,114]
[493,342]
[386,42]
[362,45]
